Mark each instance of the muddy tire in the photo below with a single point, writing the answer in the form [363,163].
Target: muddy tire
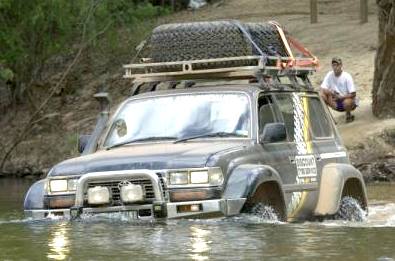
[206,40]
[350,210]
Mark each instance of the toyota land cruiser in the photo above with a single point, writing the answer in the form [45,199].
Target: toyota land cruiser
[213,149]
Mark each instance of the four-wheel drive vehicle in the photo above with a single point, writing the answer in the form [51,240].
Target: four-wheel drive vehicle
[214,149]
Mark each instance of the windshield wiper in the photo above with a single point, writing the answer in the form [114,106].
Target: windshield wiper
[153,138]
[211,134]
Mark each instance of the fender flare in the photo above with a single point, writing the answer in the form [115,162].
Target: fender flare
[333,180]
[34,198]
[245,179]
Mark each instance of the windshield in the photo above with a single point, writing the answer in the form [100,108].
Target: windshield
[181,116]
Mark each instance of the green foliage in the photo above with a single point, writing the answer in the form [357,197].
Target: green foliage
[71,143]
[33,31]
[6,74]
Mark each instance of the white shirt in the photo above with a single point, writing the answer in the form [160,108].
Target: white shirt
[342,84]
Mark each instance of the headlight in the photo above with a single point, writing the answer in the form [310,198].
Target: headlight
[216,177]
[199,177]
[210,177]
[58,185]
[179,178]
[63,185]
[72,184]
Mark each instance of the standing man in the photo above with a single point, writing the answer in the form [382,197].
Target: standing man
[338,90]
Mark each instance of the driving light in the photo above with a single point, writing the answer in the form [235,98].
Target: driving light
[199,177]
[132,193]
[58,185]
[179,178]
[72,184]
[189,208]
[216,177]
[98,195]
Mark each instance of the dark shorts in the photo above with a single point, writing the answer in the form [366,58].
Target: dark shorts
[340,105]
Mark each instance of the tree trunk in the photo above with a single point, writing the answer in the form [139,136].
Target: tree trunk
[313,11]
[383,92]
[364,13]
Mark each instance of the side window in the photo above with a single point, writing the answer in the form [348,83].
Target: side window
[320,125]
[285,105]
[265,111]
[307,108]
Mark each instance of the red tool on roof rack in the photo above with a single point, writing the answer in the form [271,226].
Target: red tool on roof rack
[289,41]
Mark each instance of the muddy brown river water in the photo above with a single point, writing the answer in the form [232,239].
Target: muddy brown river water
[240,238]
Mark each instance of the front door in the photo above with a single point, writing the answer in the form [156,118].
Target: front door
[275,154]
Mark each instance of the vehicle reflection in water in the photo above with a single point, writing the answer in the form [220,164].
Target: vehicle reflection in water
[200,246]
[59,243]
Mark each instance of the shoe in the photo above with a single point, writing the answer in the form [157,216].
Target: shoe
[349,117]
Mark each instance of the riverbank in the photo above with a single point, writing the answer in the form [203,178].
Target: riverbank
[370,142]
[73,111]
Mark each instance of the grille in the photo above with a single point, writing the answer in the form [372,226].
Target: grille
[146,184]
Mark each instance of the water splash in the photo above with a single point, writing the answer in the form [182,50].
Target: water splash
[381,214]
[258,214]
[350,209]
[384,258]
[31,220]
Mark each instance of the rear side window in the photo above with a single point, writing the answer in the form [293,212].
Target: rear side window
[303,113]
[319,122]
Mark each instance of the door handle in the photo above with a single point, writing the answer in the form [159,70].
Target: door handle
[292,159]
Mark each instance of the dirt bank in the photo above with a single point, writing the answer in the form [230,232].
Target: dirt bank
[338,32]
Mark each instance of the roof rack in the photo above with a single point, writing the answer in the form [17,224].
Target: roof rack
[232,68]
[264,69]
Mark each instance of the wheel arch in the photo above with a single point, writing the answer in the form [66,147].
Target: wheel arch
[337,181]
[271,194]
[256,182]
[353,187]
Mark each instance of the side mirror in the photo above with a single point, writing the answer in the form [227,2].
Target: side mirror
[83,140]
[273,132]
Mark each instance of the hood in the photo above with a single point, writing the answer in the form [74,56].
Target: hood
[153,156]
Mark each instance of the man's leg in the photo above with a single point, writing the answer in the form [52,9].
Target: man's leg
[349,105]
[327,96]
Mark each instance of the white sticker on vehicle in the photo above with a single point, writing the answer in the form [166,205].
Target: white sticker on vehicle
[331,155]
[306,166]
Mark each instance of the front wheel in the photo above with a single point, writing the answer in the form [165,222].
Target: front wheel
[350,210]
